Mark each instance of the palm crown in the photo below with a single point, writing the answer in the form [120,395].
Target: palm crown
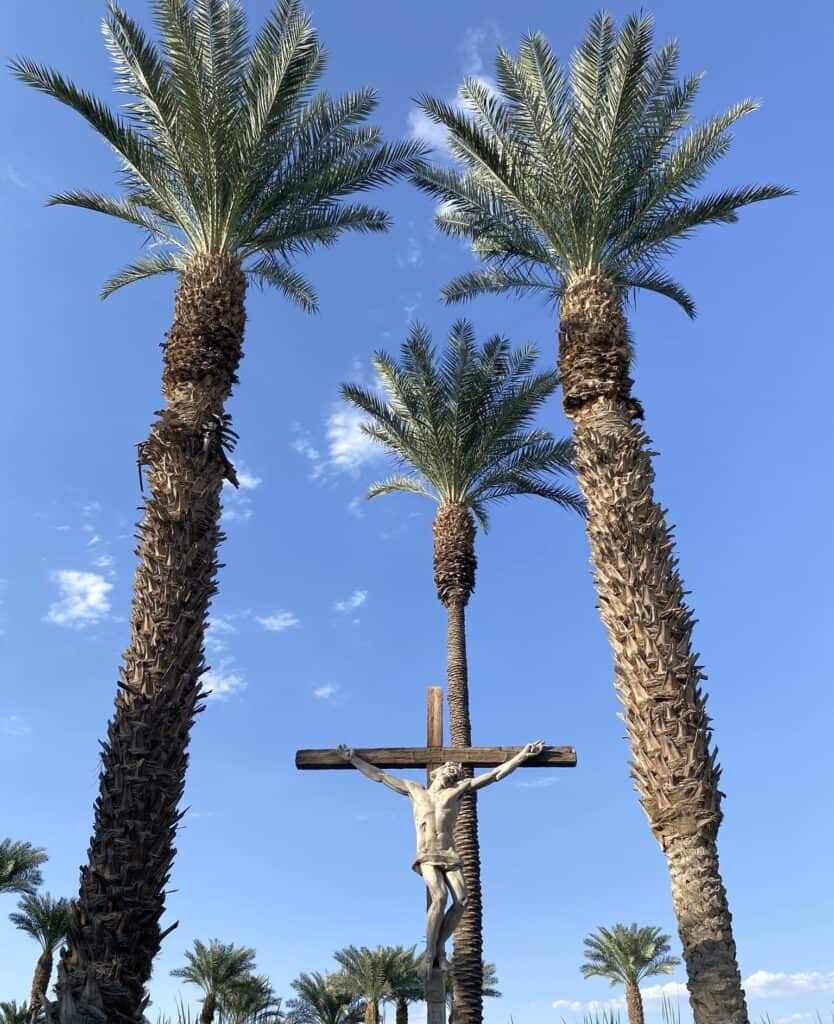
[218,967]
[20,866]
[224,146]
[45,918]
[627,953]
[323,999]
[463,422]
[585,172]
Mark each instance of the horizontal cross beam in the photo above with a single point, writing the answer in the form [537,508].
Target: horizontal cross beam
[425,757]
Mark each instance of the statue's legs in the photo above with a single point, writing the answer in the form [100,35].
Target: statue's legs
[457,887]
[436,885]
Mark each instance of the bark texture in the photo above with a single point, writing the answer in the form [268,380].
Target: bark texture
[114,933]
[40,982]
[454,577]
[401,1013]
[207,1009]
[634,1004]
[657,674]
[372,1012]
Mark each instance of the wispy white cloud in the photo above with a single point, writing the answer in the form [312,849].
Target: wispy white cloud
[592,1006]
[218,630]
[413,255]
[278,621]
[325,692]
[10,175]
[237,502]
[350,604]
[542,782]
[83,598]
[246,478]
[668,990]
[13,725]
[224,682]
[777,983]
[348,445]
[354,507]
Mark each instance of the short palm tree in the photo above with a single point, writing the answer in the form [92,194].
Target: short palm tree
[20,866]
[232,166]
[577,185]
[46,920]
[367,973]
[323,999]
[626,954]
[406,984]
[217,969]
[251,1000]
[462,423]
[14,1013]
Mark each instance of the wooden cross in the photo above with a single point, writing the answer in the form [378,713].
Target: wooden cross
[430,757]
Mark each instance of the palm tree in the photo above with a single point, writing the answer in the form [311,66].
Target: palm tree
[462,423]
[12,1013]
[217,969]
[625,954]
[46,920]
[406,984]
[20,867]
[489,988]
[232,167]
[367,973]
[577,185]
[323,999]
[251,1000]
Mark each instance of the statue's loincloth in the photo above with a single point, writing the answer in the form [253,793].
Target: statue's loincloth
[445,860]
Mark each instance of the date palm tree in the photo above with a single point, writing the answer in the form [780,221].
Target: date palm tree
[232,167]
[462,423]
[217,969]
[13,1013]
[406,985]
[577,185]
[252,1000]
[625,955]
[367,973]
[46,920]
[20,865]
[323,999]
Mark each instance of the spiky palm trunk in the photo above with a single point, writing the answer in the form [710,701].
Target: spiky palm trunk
[649,625]
[634,1003]
[454,577]
[40,983]
[115,934]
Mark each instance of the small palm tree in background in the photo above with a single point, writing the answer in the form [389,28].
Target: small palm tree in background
[462,423]
[323,999]
[233,166]
[369,974]
[625,955]
[20,867]
[578,185]
[14,1013]
[252,1000]
[46,920]
[218,969]
[406,984]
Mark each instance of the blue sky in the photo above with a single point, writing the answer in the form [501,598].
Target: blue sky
[327,629]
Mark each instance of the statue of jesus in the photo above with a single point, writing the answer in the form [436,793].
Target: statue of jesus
[436,810]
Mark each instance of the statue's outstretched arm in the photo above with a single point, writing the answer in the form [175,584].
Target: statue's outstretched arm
[505,769]
[372,772]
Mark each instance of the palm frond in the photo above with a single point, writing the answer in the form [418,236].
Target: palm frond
[145,266]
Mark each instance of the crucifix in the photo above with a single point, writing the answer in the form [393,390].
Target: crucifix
[435,807]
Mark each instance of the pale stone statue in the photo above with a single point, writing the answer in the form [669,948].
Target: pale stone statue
[435,813]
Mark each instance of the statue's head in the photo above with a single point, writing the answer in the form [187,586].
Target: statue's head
[447,774]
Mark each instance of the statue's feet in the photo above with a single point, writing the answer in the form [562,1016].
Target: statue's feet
[425,967]
[443,964]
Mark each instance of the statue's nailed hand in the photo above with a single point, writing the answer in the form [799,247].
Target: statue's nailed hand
[532,749]
[346,753]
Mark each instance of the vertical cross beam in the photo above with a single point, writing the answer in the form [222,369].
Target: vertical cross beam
[435,985]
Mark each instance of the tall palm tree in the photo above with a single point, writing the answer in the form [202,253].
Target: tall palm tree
[20,866]
[626,954]
[323,999]
[232,167]
[577,185]
[217,969]
[406,984]
[462,422]
[367,973]
[46,920]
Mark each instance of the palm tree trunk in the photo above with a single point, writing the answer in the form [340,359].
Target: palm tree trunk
[207,1009]
[401,1016]
[634,1004]
[641,600]
[40,982]
[454,576]
[372,1012]
[115,933]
